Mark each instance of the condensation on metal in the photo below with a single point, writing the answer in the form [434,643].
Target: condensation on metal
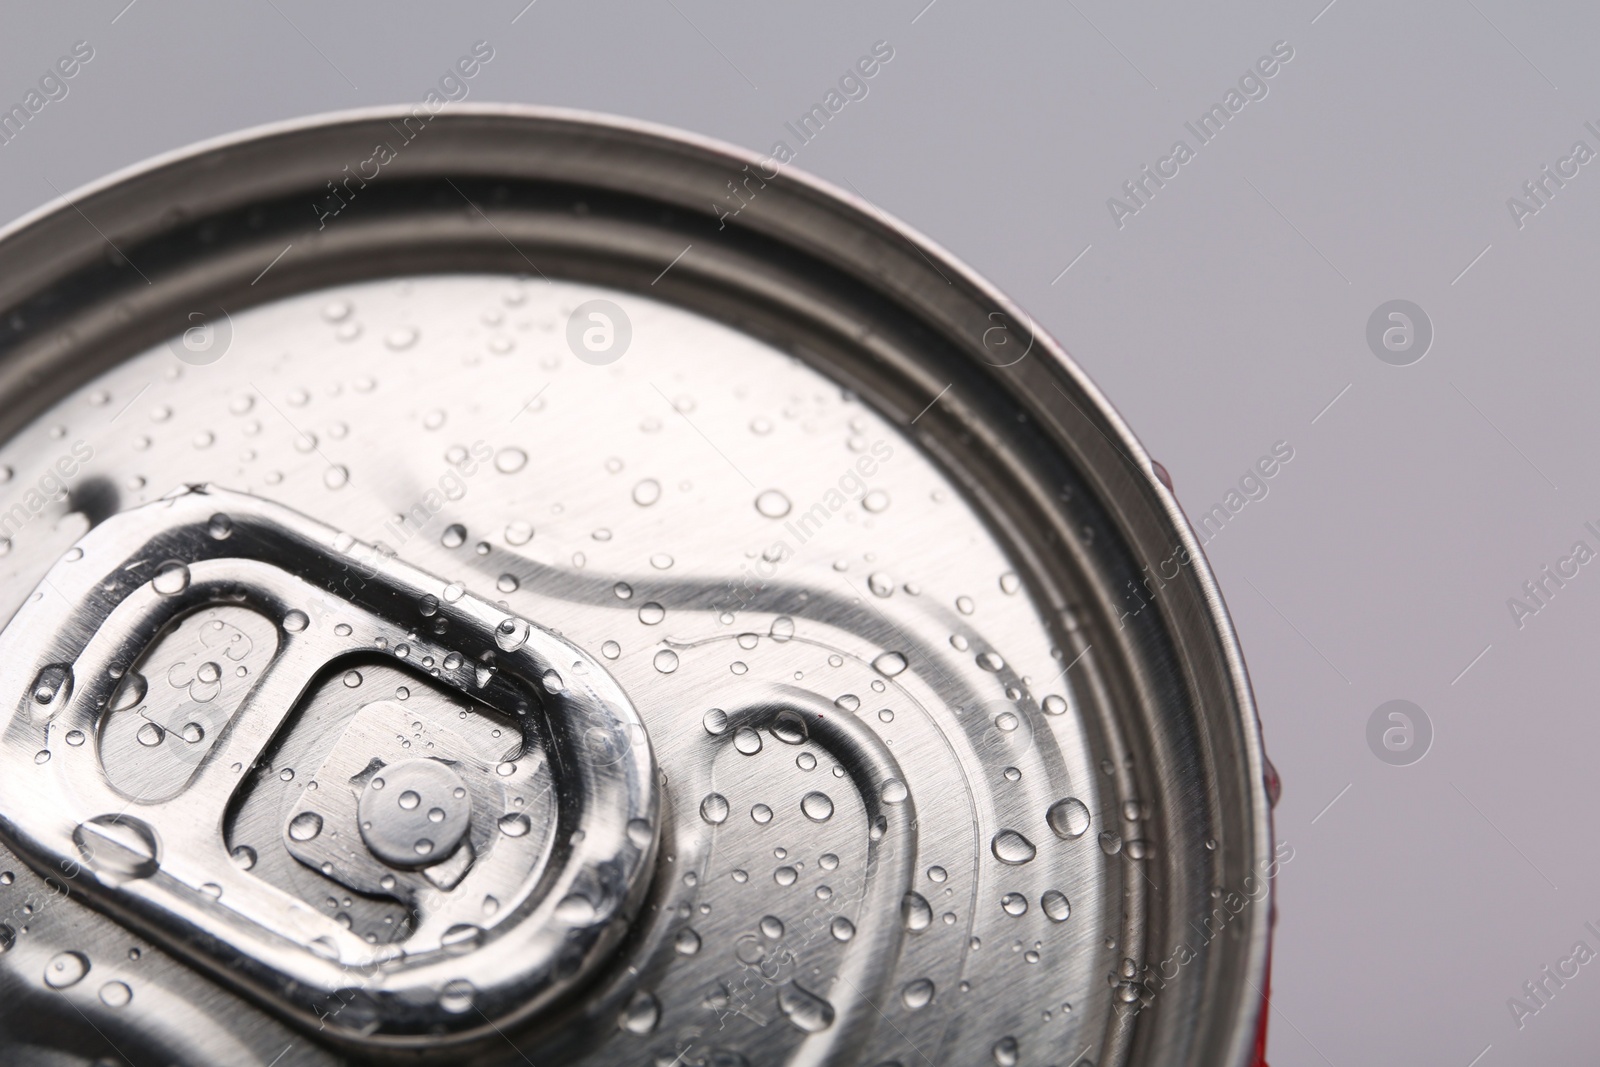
[925,786]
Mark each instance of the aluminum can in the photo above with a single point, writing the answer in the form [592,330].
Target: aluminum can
[498,585]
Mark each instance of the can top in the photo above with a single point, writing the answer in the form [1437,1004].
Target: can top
[603,592]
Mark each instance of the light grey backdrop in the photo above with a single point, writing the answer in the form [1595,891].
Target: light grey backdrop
[1224,316]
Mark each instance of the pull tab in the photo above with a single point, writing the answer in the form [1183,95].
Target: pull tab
[379,804]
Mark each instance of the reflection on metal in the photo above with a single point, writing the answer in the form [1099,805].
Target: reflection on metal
[155,736]
[777,660]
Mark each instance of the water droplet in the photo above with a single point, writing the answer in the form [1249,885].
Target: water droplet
[1110,843]
[1055,905]
[881,584]
[773,504]
[715,721]
[666,661]
[610,650]
[842,929]
[917,994]
[150,735]
[965,605]
[782,628]
[1011,848]
[336,476]
[352,679]
[818,807]
[805,1010]
[511,633]
[461,938]
[889,664]
[916,914]
[640,833]
[518,533]
[401,338]
[687,942]
[875,501]
[455,996]
[244,857]
[65,969]
[75,738]
[115,994]
[510,460]
[1054,705]
[714,809]
[576,909]
[1014,904]
[760,814]
[651,613]
[305,826]
[641,1015]
[647,492]
[991,661]
[747,741]
[1068,818]
[54,685]
[552,680]
[1005,1052]
[171,578]
[785,876]
[789,728]
[295,621]
[220,527]
[515,824]
[454,536]
[119,845]
[894,791]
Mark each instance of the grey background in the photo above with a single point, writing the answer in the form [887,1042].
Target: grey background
[1222,318]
